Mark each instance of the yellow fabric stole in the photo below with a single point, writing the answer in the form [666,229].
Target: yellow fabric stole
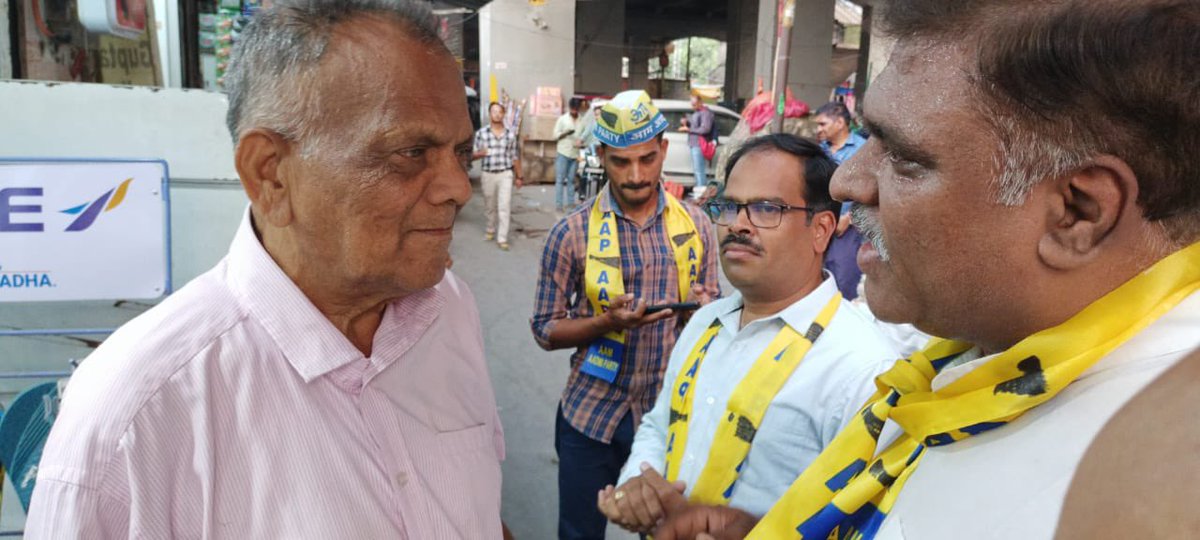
[744,410]
[603,280]
[848,491]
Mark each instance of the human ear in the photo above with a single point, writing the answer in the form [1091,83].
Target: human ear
[1085,207]
[823,225]
[257,158]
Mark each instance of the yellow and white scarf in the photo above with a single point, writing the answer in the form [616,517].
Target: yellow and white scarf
[848,490]
[745,409]
[603,280]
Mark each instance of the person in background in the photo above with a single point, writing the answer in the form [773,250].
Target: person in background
[699,126]
[833,130]
[496,145]
[587,127]
[566,133]
[604,265]
[584,131]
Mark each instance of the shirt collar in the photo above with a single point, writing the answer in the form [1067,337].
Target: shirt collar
[608,204]
[852,141]
[309,341]
[489,133]
[799,315]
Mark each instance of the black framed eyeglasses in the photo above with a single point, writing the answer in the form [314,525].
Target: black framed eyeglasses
[763,214]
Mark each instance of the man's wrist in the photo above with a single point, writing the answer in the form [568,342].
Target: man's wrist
[607,322]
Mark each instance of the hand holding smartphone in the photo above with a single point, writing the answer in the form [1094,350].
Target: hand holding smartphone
[677,307]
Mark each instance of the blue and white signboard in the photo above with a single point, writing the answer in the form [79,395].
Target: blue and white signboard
[83,230]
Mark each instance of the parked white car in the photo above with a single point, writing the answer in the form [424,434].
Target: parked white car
[678,165]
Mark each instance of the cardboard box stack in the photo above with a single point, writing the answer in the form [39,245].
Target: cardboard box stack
[548,101]
[538,146]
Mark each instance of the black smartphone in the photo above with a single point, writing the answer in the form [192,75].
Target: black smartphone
[682,306]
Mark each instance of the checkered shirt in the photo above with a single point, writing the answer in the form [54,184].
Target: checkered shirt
[591,405]
[502,150]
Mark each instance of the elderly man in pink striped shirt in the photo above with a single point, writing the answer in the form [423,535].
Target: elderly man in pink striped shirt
[327,378]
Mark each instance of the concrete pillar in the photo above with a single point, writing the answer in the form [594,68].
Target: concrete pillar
[742,46]
[809,75]
[863,80]
[764,43]
[812,50]
[881,51]
[527,46]
[600,33]
[639,67]
[6,68]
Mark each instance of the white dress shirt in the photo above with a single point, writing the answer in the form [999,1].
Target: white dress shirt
[833,380]
[1010,482]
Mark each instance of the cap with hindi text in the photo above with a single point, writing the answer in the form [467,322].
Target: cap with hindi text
[629,118]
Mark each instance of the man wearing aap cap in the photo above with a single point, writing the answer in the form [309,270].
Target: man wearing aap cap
[630,247]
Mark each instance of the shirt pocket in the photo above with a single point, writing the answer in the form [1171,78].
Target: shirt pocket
[462,471]
[465,441]
[788,440]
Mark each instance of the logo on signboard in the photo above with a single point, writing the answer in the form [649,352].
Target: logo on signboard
[75,229]
[86,213]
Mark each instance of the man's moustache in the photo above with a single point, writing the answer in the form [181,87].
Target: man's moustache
[870,228]
[740,239]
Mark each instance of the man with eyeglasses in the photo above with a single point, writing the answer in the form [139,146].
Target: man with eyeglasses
[758,382]
[1029,193]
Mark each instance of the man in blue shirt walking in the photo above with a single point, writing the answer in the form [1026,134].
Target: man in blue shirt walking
[833,130]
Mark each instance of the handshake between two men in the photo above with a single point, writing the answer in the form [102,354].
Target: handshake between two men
[649,504]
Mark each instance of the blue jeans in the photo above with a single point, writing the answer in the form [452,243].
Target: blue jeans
[585,466]
[564,183]
[698,166]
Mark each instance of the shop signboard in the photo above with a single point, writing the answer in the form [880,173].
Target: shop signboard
[83,230]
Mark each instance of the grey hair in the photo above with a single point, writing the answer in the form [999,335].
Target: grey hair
[1028,157]
[1064,81]
[271,73]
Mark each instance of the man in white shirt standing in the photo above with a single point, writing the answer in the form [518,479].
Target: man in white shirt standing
[1029,191]
[566,133]
[783,363]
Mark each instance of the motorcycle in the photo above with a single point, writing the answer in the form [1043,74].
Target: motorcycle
[591,174]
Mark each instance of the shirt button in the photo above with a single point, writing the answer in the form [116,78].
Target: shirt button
[401,478]
[710,400]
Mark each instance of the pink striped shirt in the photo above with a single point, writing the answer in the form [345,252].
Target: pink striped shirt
[234,409]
